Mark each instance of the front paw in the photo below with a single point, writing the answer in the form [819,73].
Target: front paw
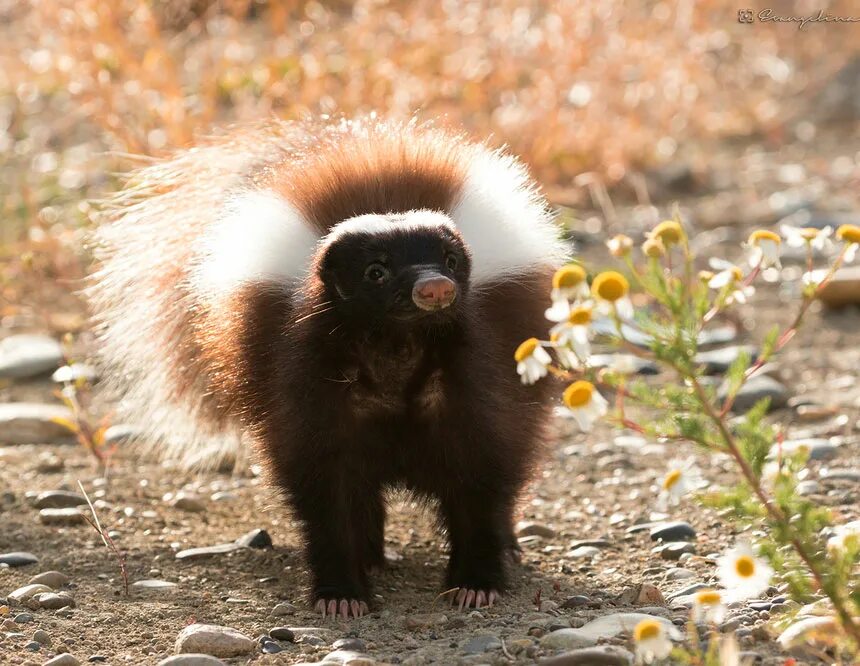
[465,597]
[343,607]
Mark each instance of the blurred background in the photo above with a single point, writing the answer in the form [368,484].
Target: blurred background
[618,107]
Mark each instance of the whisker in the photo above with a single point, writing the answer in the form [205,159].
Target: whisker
[312,314]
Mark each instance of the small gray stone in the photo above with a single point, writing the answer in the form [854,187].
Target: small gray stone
[354,644]
[675,531]
[575,601]
[25,356]
[757,388]
[64,659]
[841,474]
[817,448]
[188,503]
[258,538]
[153,585]
[42,636]
[22,594]
[530,528]
[674,549]
[282,634]
[604,655]
[481,643]
[614,624]
[584,552]
[18,559]
[679,573]
[283,608]
[347,657]
[34,423]
[33,646]
[53,601]
[191,659]
[689,590]
[271,647]
[23,618]
[59,499]
[425,620]
[567,639]
[53,579]
[214,640]
[809,487]
[207,551]
[61,517]
[718,361]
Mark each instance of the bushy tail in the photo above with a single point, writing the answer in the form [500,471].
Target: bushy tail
[142,304]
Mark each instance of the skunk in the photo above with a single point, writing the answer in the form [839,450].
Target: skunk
[344,298]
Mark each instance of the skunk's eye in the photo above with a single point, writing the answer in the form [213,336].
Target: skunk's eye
[376,273]
[451,261]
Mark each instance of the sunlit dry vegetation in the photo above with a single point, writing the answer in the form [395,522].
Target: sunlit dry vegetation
[607,86]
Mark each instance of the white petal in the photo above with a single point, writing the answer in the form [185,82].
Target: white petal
[559,311]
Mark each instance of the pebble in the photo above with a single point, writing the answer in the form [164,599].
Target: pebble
[594,543]
[575,601]
[841,474]
[643,594]
[481,643]
[191,554]
[33,423]
[605,655]
[584,552]
[639,366]
[809,487]
[42,636]
[33,646]
[674,549]
[675,531]
[282,634]
[679,573]
[258,538]
[215,640]
[843,288]
[805,631]
[354,644]
[757,388]
[283,608]
[53,601]
[25,356]
[271,647]
[23,618]
[189,503]
[53,579]
[425,620]
[64,659]
[718,361]
[528,528]
[153,585]
[567,639]
[816,448]
[191,659]
[18,559]
[348,658]
[22,594]
[61,517]
[59,499]
[614,624]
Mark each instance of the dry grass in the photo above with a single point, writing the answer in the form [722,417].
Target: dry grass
[572,86]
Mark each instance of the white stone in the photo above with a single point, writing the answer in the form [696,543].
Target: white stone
[213,640]
[567,639]
[28,591]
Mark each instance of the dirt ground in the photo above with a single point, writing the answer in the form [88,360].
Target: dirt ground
[591,487]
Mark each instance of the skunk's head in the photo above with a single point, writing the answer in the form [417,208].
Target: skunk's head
[405,268]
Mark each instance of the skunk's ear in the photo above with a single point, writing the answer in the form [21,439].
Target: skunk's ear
[327,271]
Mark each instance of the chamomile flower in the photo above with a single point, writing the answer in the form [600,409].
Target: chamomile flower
[532,361]
[708,606]
[610,288]
[620,245]
[763,249]
[682,478]
[732,278]
[568,284]
[847,538]
[850,235]
[817,239]
[574,331]
[742,574]
[566,356]
[652,641]
[668,232]
[654,248]
[584,403]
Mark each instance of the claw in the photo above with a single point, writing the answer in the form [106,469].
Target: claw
[480,599]
[346,608]
[332,607]
[465,597]
[319,607]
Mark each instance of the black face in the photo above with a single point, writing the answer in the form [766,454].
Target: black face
[415,275]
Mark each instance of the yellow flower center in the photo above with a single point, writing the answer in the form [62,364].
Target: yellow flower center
[850,233]
[568,276]
[763,235]
[745,566]
[580,316]
[654,248]
[670,232]
[525,350]
[671,479]
[610,286]
[737,273]
[578,394]
[809,233]
[647,630]
[708,598]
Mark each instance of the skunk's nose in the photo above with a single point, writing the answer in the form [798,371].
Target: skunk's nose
[434,293]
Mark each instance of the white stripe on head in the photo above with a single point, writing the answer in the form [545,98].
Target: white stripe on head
[382,224]
[260,237]
[503,219]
